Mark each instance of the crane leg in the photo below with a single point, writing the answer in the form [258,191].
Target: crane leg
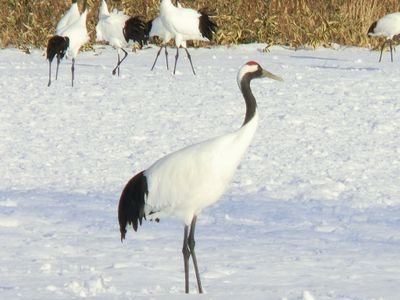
[186,255]
[58,64]
[119,61]
[383,46]
[188,250]
[116,67]
[190,60]
[166,56]
[176,58]
[191,243]
[73,70]
[158,54]
[49,73]
[391,50]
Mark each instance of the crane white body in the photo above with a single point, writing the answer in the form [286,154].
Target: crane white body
[158,29]
[110,26]
[184,182]
[77,34]
[182,22]
[70,16]
[387,26]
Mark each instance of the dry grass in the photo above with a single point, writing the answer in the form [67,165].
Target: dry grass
[29,23]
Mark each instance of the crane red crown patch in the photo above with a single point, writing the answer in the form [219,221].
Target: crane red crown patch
[251,62]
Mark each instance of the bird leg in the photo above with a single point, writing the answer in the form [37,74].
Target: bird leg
[49,73]
[58,64]
[191,244]
[186,255]
[158,54]
[383,46]
[188,250]
[176,58]
[166,56]
[190,59]
[391,50]
[120,61]
[73,70]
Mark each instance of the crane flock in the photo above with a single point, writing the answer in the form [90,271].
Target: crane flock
[183,183]
[118,30]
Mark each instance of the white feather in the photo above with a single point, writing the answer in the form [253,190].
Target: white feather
[197,175]
[77,34]
[71,16]
[110,26]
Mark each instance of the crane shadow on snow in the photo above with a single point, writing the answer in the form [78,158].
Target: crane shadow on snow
[358,69]
[59,206]
[302,57]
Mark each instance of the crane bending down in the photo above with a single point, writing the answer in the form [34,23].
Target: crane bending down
[387,26]
[68,41]
[154,28]
[57,45]
[118,29]
[186,24]
[184,182]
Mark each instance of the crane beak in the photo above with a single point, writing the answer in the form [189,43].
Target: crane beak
[268,74]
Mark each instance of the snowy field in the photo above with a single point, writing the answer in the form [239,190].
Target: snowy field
[313,212]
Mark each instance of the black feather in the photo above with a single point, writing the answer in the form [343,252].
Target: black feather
[372,27]
[135,30]
[149,25]
[57,45]
[206,26]
[131,203]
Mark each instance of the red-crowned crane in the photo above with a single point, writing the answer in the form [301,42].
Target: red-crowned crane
[57,45]
[186,24]
[387,26]
[69,40]
[155,27]
[184,182]
[70,16]
[118,29]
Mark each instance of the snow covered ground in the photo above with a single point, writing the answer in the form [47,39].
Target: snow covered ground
[313,212]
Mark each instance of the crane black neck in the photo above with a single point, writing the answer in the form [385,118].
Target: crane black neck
[251,104]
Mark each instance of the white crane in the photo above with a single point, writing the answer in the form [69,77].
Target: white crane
[155,27]
[387,26]
[77,35]
[186,24]
[184,182]
[57,45]
[118,29]
[71,15]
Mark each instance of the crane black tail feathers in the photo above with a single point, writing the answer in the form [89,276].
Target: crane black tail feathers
[372,27]
[131,203]
[57,45]
[135,30]
[206,26]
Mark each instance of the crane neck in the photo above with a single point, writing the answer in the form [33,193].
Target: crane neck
[103,9]
[166,5]
[250,100]
[85,6]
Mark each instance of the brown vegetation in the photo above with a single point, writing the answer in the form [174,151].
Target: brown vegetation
[29,23]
